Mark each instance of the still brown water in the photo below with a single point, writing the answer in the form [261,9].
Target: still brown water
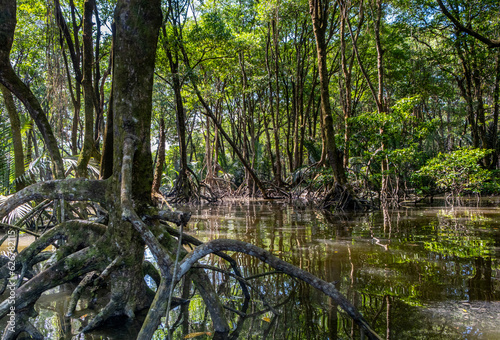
[419,273]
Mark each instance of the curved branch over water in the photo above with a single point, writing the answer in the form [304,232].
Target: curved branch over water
[265,256]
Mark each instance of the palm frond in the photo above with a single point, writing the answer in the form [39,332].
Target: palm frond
[92,168]
[17,213]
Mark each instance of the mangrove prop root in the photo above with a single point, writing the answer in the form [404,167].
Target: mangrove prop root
[64,270]
[193,240]
[10,226]
[77,292]
[22,324]
[68,189]
[112,308]
[156,310]
[202,283]
[244,281]
[79,234]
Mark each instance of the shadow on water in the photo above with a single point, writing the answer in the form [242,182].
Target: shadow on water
[420,273]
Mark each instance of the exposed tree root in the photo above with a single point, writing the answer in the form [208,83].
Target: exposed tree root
[77,234]
[341,198]
[219,186]
[111,309]
[22,324]
[64,270]
[78,291]
[10,226]
[69,189]
[189,190]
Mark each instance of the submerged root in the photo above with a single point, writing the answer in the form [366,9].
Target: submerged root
[75,296]
[111,309]
[22,325]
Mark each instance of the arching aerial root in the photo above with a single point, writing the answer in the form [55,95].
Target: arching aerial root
[76,234]
[78,291]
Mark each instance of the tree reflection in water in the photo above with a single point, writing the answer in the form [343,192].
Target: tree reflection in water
[428,273]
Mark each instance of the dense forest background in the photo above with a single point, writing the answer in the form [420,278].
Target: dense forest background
[390,98]
[111,109]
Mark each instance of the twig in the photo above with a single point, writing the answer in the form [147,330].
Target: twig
[5,225]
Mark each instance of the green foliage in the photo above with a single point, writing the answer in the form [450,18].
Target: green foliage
[459,171]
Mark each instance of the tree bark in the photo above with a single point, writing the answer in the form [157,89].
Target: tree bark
[276,116]
[320,11]
[160,159]
[17,141]
[88,94]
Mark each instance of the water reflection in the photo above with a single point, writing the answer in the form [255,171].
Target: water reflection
[415,273]
[429,273]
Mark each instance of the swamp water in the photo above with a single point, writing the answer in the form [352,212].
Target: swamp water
[417,273]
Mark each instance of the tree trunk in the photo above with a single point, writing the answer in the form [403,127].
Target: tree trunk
[320,12]
[182,187]
[17,141]
[494,125]
[74,52]
[271,99]
[276,117]
[88,94]
[160,159]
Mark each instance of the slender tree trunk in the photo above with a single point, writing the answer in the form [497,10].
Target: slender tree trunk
[108,147]
[271,96]
[244,119]
[17,141]
[182,187]
[320,12]
[346,65]
[88,94]
[381,105]
[276,117]
[208,150]
[160,159]
[74,52]
[494,124]
[181,184]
